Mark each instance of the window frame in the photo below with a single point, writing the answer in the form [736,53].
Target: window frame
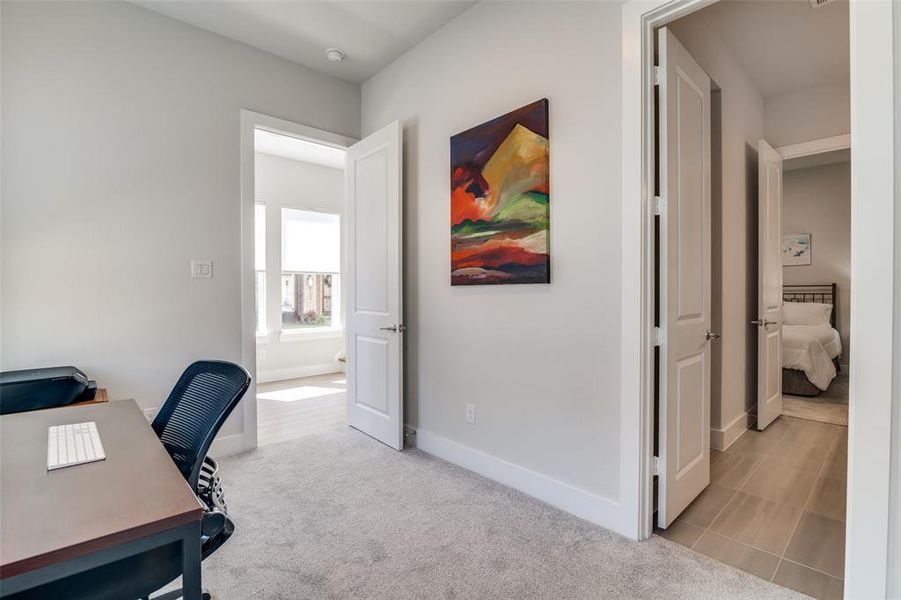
[276,331]
[261,312]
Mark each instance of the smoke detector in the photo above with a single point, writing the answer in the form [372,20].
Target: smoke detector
[819,3]
[336,55]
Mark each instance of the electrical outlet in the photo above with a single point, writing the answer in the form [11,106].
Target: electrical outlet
[471,414]
[262,355]
[150,413]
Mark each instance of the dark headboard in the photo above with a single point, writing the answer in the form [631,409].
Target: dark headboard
[826,293]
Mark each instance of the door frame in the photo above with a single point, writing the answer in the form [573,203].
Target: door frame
[250,121]
[814,147]
[872,178]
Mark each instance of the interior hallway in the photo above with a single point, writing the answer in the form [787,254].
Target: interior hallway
[299,407]
[776,506]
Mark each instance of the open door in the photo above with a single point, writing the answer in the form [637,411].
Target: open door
[374,324]
[683,463]
[769,285]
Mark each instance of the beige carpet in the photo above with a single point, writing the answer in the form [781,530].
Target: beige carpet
[803,408]
[830,406]
[338,515]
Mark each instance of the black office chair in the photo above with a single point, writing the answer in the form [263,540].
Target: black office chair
[201,401]
[206,393]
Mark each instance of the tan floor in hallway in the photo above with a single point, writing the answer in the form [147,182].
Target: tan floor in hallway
[776,506]
[294,408]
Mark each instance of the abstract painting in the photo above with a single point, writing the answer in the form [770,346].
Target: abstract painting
[795,249]
[499,200]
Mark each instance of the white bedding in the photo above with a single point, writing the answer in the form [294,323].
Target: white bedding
[811,348]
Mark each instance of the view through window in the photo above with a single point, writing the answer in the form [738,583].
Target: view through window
[311,262]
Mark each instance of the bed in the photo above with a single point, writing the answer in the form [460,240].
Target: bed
[811,346]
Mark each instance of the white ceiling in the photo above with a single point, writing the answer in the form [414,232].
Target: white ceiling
[372,34]
[286,146]
[785,45]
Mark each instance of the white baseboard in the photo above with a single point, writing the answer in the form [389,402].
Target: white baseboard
[721,439]
[227,445]
[583,504]
[295,372]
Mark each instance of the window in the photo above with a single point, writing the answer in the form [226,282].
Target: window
[311,263]
[307,299]
[259,239]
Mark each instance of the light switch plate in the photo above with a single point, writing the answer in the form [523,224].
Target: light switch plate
[201,269]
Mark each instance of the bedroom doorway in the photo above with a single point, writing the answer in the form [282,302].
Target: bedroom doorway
[737,478]
[816,249]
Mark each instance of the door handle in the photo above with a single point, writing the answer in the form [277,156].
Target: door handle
[712,335]
[394,328]
[763,322]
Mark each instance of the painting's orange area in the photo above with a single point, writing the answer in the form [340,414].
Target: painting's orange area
[464,206]
[495,257]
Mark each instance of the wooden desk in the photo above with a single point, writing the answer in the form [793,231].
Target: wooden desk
[61,522]
[99,398]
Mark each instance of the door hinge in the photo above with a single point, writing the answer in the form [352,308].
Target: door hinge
[658,75]
[659,336]
[659,205]
[657,465]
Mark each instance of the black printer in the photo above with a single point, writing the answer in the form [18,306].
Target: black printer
[32,389]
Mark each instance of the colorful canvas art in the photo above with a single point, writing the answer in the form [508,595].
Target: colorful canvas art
[499,200]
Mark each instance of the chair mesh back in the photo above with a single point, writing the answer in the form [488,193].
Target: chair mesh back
[202,399]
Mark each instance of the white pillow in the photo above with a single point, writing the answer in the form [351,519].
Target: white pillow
[806,313]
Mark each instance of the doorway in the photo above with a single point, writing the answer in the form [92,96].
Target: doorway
[872,183]
[314,273]
[298,245]
[767,495]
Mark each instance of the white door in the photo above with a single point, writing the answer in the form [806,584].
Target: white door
[685,263]
[769,285]
[374,324]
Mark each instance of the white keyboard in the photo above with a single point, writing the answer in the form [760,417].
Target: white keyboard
[74,444]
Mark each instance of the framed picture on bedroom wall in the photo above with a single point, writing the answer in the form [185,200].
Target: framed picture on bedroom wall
[795,249]
[500,199]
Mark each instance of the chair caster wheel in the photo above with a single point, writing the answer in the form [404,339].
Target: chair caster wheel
[206,596]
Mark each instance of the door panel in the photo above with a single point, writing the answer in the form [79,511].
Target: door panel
[371,293]
[374,327]
[769,285]
[373,359]
[690,378]
[685,263]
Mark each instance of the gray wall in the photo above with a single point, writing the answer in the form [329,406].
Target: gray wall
[120,164]
[540,362]
[817,200]
[737,125]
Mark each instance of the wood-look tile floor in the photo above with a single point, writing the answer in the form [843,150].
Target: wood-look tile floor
[775,506]
[294,408]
